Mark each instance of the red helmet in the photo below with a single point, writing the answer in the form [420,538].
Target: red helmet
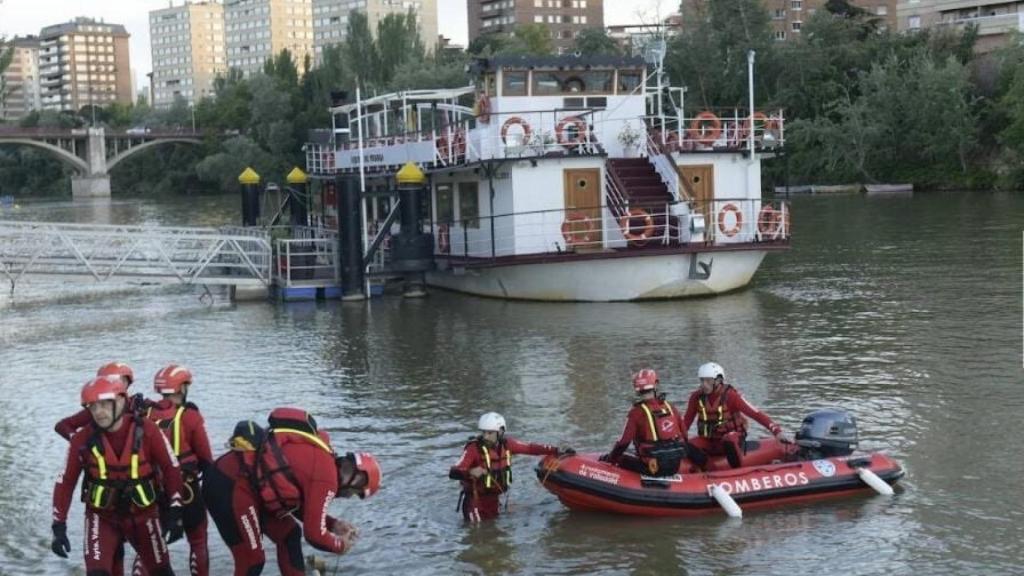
[102,388]
[171,379]
[365,462]
[645,380]
[117,369]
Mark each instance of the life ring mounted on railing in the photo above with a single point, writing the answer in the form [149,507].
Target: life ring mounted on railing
[444,245]
[515,121]
[569,140]
[705,128]
[769,222]
[727,211]
[577,229]
[637,236]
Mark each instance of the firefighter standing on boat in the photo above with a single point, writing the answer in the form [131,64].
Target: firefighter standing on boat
[127,464]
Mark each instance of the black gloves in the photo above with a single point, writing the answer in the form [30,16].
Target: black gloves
[60,544]
[172,526]
[605,458]
[565,451]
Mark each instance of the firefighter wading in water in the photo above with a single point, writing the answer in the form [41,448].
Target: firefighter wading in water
[485,469]
[127,464]
[280,483]
[183,425]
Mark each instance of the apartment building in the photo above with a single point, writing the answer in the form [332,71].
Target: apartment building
[789,16]
[188,51]
[565,18]
[83,62]
[634,39]
[330,19]
[995,20]
[256,30]
[19,88]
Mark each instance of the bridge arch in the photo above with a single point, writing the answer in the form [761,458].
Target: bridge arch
[80,166]
[123,155]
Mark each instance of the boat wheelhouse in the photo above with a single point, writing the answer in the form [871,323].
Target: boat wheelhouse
[566,178]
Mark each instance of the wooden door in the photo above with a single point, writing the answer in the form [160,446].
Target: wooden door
[699,183]
[582,223]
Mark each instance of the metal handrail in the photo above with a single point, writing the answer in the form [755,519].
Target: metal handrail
[664,166]
[316,257]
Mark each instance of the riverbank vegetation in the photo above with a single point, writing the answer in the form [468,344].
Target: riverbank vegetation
[862,104]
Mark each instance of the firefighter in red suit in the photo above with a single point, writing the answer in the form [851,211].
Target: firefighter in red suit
[280,483]
[127,463]
[485,469]
[656,429]
[68,426]
[721,426]
[185,430]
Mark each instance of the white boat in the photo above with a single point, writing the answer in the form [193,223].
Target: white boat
[568,179]
[888,189]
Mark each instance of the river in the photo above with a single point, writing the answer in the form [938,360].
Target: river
[905,311]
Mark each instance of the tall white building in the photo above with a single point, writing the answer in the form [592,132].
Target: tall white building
[256,30]
[20,82]
[188,51]
[330,18]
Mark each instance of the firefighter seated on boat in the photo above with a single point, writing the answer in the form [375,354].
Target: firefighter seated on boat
[654,427]
[485,468]
[719,409]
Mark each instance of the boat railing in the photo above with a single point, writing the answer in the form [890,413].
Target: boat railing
[642,226]
[311,258]
[718,129]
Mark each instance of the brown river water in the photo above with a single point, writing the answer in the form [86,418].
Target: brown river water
[904,311]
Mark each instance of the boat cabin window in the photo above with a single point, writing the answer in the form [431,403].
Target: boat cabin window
[629,80]
[445,206]
[469,204]
[572,82]
[513,83]
[489,85]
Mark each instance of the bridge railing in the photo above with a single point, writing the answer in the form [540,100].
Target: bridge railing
[153,254]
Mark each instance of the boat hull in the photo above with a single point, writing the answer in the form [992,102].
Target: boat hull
[583,483]
[662,276]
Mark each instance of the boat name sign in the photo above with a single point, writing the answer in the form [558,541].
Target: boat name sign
[766,482]
[599,474]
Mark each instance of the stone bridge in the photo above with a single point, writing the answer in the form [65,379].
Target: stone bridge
[93,152]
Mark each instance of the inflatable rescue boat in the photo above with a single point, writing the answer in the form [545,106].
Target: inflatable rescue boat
[822,464]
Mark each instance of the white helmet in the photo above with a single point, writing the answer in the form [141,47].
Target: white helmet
[710,370]
[492,422]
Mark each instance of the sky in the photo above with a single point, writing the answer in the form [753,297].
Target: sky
[22,17]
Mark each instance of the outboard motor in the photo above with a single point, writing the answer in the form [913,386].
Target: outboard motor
[827,433]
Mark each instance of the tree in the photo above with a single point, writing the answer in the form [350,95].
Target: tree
[6,57]
[596,41]
[398,42]
[361,50]
[536,39]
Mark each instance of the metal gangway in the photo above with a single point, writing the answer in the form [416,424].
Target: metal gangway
[230,256]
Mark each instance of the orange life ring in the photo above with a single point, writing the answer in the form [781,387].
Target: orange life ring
[732,230]
[759,117]
[483,107]
[513,121]
[646,231]
[571,231]
[443,239]
[697,129]
[581,131]
[769,221]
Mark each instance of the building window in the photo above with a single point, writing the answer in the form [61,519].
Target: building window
[469,204]
[882,10]
[796,4]
[780,35]
[445,207]
[779,15]
[796,26]
[914,22]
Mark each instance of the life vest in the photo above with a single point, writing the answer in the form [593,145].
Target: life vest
[661,450]
[498,466]
[168,418]
[714,421]
[118,482]
[272,476]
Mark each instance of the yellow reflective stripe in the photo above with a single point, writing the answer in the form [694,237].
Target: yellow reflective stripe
[487,463]
[135,466]
[508,466]
[311,437]
[177,430]
[101,462]
[650,421]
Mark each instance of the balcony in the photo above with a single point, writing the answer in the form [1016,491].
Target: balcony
[987,25]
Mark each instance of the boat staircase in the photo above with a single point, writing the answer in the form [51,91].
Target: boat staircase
[635,190]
